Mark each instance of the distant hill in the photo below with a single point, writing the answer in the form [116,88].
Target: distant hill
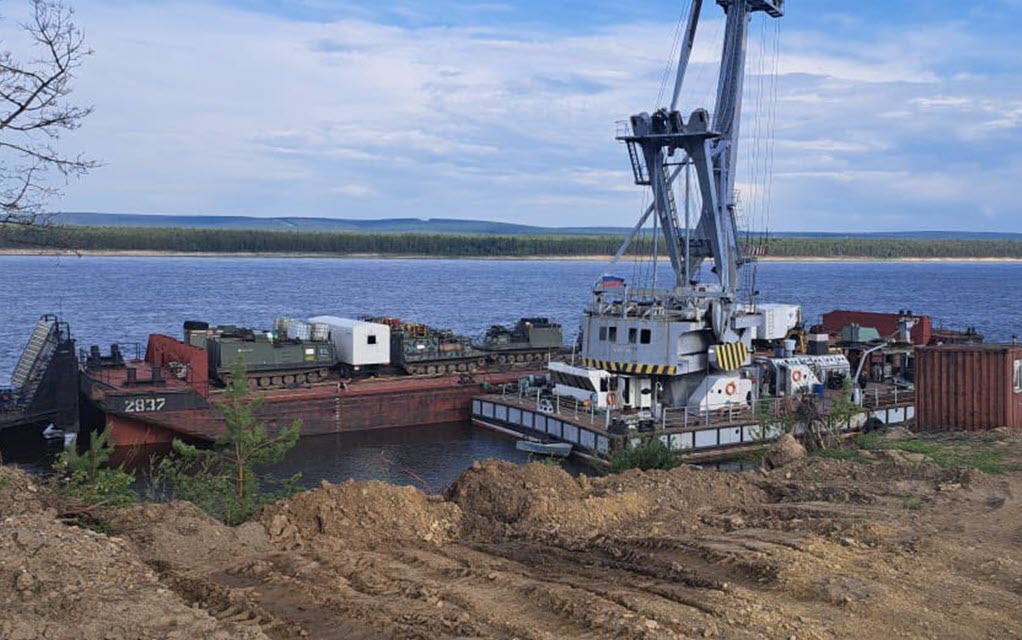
[440,226]
[389,225]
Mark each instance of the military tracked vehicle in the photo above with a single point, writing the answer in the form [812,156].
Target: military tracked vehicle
[422,350]
[530,340]
[271,359]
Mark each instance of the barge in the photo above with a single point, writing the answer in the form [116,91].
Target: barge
[597,434]
[169,395]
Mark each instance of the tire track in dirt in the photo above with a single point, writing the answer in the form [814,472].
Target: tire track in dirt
[819,549]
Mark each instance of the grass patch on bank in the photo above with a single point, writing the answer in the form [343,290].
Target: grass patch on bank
[842,452]
[649,454]
[984,452]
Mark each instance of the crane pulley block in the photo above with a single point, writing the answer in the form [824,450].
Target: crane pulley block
[774,8]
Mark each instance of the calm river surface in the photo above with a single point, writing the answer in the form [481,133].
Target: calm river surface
[122,300]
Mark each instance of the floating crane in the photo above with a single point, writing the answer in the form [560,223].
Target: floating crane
[685,345]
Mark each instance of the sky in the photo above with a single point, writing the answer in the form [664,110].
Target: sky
[888,115]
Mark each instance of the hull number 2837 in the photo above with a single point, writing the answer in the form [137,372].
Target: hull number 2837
[144,405]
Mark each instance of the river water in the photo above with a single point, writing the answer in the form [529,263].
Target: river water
[108,299]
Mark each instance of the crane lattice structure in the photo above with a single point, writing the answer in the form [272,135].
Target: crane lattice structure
[710,146]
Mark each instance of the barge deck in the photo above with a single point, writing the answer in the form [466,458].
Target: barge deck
[598,434]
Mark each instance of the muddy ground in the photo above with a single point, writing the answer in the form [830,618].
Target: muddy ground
[820,548]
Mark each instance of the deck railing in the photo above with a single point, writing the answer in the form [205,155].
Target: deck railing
[763,410]
[877,398]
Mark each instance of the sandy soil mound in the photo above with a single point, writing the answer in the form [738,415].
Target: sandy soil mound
[166,534]
[360,514]
[496,494]
[58,581]
[817,549]
[684,489]
[19,494]
[541,501]
[785,451]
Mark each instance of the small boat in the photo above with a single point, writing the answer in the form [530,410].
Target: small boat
[555,449]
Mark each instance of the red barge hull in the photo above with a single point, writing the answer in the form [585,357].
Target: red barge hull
[151,406]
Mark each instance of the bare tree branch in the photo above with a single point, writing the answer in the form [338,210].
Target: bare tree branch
[35,110]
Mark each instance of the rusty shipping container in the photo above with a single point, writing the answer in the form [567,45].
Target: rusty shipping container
[968,387]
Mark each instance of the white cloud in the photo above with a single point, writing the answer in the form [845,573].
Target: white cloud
[356,190]
[207,109]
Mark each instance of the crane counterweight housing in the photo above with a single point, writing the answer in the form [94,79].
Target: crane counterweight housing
[688,344]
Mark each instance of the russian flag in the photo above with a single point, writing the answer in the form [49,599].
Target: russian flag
[610,282]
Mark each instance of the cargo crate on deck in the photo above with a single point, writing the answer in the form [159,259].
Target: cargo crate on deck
[358,343]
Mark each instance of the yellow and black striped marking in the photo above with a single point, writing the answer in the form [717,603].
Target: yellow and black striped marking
[632,368]
[731,356]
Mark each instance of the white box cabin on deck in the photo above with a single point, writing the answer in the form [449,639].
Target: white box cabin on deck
[601,389]
[358,343]
[581,383]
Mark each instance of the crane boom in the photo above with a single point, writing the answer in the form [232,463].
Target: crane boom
[686,345]
[711,147]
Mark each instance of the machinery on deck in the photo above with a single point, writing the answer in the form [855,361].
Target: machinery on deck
[686,344]
[530,340]
[307,351]
[422,350]
[271,358]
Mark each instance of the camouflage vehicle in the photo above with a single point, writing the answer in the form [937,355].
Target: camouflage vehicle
[422,350]
[530,340]
[270,360]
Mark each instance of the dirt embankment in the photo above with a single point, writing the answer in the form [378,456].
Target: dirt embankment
[59,581]
[814,549]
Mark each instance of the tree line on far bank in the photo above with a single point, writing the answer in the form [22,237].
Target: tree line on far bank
[189,240]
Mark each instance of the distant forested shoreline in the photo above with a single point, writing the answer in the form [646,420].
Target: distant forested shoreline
[237,241]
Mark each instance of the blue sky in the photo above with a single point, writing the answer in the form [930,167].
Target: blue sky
[889,115]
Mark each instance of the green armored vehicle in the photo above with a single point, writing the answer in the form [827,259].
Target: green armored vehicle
[270,360]
[530,340]
[419,349]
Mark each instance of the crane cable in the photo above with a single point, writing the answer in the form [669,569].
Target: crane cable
[641,270]
[773,73]
[678,31]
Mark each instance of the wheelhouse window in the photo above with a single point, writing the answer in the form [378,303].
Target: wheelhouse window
[612,334]
[646,336]
[603,334]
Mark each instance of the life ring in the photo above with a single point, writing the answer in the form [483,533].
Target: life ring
[796,375]
[612,399]
[731,388]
